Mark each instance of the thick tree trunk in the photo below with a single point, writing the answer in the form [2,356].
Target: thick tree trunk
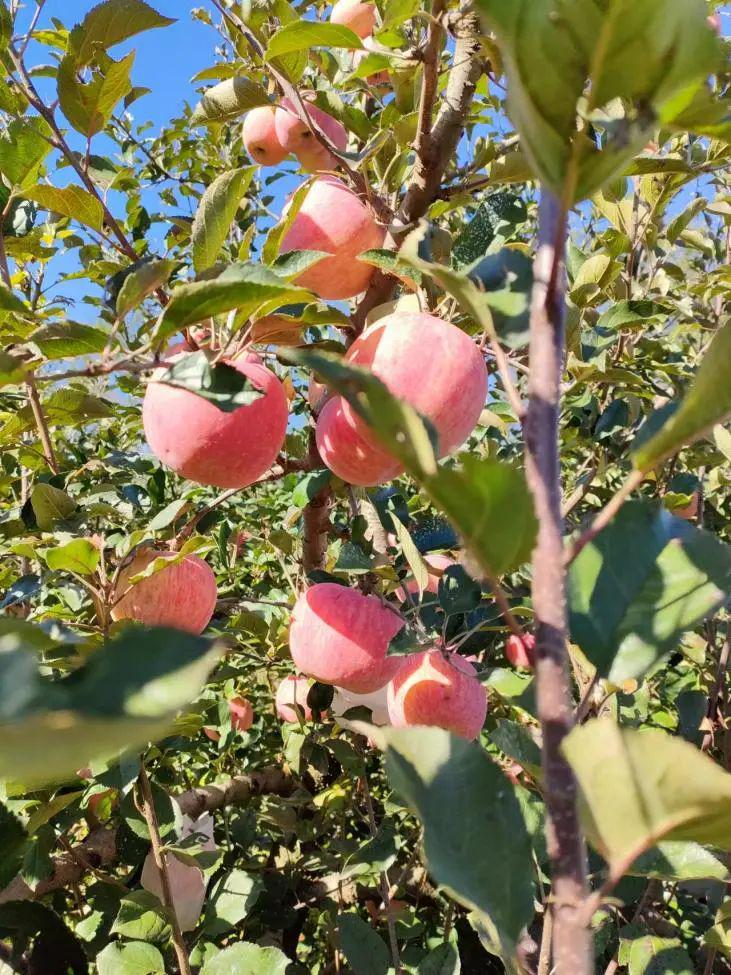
[571,940]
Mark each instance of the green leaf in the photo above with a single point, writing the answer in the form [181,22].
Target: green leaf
[303,35]
[245,959]
[486,863]
[676,860]
[719,936]
[241,286]
[71,201]
[142,282]
[639,585]
[37,863]
[80,556]
[293,263]
[228,100]
[419,568]
[640,787]
[473,495]
[126,695]
[141,918]
[10,302]
[13,370]
[515,741]
[89,106]
[168,514]
[274,238]
[627,313]
[364,950]
[132,958]
[443,960]
[14,841]
[24,147]
[707,402]
[651,55]
[50,505]
[109,23]
[219,383]
[653,955]
[310,485]
[215,214]
[231,901]
[457,591]
[70,339]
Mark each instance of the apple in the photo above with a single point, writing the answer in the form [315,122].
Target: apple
[340,636]
[334,220]
[376,702]
[434,688]
[293,690]
[260,138]
[182,595]
[347,453]
[242,713]
[432,365]
[205,444]
[295,136]
[519,652]
[359,17]
[434,560]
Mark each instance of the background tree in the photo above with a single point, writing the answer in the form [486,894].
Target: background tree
[534,188]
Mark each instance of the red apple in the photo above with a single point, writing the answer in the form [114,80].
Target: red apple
[432,688]
[359,17]
[334,220]
[260,137]
[519,652]
[182,595]
[347,453]
[204,444]
[292,691]
[340,636]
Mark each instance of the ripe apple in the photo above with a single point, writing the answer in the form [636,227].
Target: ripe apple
[519,652]
[432,688]
[260,137]
[242,713]
[434,560]
[347,453]
[340,636]
[376,702]
[204,444]
[359,17]
[432,365]
[334,220]
[293,690]
[295,136]
[182,595]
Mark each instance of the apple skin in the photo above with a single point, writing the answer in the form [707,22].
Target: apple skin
[204,444]
[295,136]
[519,652]
[339,636]
[359,17]
[293,690]
[182,595]
[334,220]
[432,688]
[260,138]
[375,701]
[430,364]
[434,560]
[347,453]
[242,713]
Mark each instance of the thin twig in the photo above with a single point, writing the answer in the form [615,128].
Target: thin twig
[148,811]
[384,884]
[717,691]
[41,423]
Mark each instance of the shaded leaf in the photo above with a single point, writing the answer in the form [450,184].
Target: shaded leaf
[142,282]
[228,100]
[215,214]
[219,383]
[364,950]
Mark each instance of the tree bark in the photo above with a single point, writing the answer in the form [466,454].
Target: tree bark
[316,517]
[571,940]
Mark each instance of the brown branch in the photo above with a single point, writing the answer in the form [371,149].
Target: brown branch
[571,938]
[160,858]
[316,516]
[444,136]
[41,424]
[429,82]
[715,698]
[99,849]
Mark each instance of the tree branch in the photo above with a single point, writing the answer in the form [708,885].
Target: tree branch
[316,517]
[41,424]
[148,811]
[571,938]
